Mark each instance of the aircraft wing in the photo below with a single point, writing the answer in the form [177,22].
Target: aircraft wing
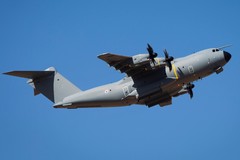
[119,62]
[126,65]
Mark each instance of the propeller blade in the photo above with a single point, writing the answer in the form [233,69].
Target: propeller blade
[152,54]
[169,65]
[150,49]
[190,92]
[190,86]
[168,59]
[165,53]
[153,60]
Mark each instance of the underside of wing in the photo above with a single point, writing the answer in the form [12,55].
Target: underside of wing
[112,59]
[135,66]
[119,62]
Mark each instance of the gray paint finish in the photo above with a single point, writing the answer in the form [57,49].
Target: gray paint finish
[149,80]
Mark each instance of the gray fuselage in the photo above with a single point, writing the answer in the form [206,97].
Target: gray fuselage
[185,70]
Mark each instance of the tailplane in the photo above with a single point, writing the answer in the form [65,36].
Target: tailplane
[49,82]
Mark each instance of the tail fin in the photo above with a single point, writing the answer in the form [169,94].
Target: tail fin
[49,82]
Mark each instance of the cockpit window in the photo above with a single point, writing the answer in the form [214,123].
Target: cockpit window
[215,50]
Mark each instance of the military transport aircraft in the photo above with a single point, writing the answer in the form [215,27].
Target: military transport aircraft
[149,80]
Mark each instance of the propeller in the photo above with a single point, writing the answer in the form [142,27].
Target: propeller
[152,54]
[168,59]
[189,88]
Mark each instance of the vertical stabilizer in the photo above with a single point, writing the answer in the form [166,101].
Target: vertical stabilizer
[49,82]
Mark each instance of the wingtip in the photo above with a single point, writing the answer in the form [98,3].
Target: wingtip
[8,73]
[11,73]
[103,54]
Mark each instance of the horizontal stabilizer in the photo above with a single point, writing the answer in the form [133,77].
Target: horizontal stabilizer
[30,74]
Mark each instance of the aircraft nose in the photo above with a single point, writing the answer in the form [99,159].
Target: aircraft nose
[227,56]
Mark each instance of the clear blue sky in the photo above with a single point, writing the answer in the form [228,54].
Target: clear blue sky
[70,34]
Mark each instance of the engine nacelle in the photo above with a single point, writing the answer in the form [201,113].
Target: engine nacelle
[140,58]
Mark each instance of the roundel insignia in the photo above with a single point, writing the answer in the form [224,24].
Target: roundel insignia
[106,91]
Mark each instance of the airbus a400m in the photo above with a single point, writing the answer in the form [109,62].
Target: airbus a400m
[149,80]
